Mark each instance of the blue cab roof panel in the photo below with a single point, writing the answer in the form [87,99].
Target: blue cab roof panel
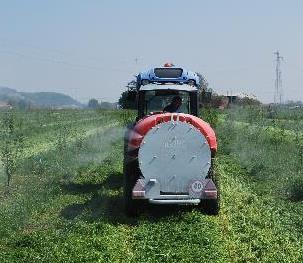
[178,75]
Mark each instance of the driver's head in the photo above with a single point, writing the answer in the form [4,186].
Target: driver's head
[177,101]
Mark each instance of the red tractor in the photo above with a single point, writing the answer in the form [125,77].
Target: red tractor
[169,152]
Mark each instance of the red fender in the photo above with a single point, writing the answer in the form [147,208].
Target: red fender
[144,125]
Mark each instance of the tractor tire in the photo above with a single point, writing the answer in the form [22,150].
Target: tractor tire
[212,206]
[131,206]
[130,174]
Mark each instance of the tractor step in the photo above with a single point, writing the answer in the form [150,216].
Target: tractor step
[174,201]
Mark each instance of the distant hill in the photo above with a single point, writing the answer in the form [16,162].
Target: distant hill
[37,99]
[50,99]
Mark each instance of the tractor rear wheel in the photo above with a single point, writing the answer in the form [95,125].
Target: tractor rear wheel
[130,174]
[131,206]
[212,206]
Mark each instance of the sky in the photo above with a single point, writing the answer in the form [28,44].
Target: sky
[91,49]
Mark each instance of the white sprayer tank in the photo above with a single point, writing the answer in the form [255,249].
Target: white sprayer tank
[174,153]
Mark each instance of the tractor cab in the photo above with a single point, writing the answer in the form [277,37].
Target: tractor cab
[153,98]
[157,87]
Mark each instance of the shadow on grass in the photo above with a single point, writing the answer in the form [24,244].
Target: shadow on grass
[99,207]
[295,190]
[102,206]
[80,188]
[155,213]
[111,209]
[113,181]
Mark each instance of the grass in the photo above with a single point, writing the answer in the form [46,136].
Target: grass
[69,208]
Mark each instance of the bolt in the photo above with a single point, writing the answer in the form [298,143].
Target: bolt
[172,178]
[192,158]
[154,157]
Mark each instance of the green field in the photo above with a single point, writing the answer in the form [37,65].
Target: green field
[65,200]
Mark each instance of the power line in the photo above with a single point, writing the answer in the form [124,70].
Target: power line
[8,43]
[63,62]
[7,46]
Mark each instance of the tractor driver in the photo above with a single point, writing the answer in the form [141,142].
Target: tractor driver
[174,106]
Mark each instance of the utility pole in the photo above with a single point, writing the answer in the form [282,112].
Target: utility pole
[278,98]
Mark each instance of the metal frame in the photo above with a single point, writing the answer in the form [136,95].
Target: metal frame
[151,192]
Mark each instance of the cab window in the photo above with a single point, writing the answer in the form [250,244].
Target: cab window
[157,100]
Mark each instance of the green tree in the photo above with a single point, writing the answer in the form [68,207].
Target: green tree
[107,105]
[247,101]
[126,101]
[203,82]
[93,104]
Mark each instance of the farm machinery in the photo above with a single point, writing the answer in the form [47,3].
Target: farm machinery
[169,152]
